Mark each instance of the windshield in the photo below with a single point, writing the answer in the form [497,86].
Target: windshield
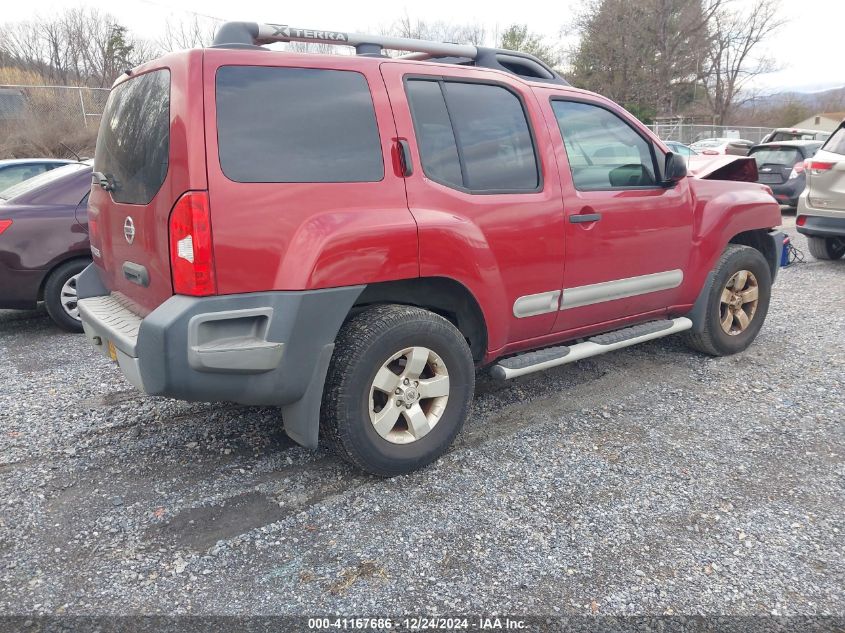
[31,184]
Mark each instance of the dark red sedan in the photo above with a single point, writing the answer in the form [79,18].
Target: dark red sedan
[44,242]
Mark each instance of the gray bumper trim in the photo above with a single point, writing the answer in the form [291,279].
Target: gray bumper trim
[822,226]
[263,348]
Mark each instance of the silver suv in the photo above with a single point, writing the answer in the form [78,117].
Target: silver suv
[821,208]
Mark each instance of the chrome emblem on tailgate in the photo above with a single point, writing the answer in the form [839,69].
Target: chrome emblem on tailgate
[129,229]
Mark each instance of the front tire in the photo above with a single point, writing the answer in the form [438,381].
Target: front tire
[60,296]
[826,247]
[398,390]
[737,303]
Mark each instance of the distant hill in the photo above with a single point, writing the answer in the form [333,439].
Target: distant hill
[817,101]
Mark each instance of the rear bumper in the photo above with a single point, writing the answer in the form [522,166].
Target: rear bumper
[788,192]
[266,348]
[822,225]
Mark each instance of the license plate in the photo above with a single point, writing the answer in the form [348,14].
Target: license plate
[770,178]
[112,351]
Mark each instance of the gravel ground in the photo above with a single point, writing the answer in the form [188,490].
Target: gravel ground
[648,481]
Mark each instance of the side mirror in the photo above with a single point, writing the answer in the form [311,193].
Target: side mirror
[676,169]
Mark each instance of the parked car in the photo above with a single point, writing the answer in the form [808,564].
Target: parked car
[781,167]
[350,237]
[15,170]
[679,148]
[713,146]
[821,208]
[44,242]
[794,134]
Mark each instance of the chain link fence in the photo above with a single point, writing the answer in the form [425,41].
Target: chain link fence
[690,133]
[38,121]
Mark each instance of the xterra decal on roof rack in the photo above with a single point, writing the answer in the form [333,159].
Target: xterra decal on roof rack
[241,34]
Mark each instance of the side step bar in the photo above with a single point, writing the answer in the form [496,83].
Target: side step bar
[530,362]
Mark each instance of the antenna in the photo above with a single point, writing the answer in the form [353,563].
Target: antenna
[78,159]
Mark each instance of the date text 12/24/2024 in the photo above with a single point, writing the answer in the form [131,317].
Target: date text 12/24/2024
[418,624]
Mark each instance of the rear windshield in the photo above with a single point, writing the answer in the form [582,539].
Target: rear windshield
[777,156]
[793,136]
[133,145]
[836,143]
[296,125]
[31,184]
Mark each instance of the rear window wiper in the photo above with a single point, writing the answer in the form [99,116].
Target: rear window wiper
[106,181]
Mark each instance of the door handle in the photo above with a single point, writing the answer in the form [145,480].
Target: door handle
[405,162]
[583,218]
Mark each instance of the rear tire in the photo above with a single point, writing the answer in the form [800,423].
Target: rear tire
[737,303]
[398,390]
[826,247]
[60,296]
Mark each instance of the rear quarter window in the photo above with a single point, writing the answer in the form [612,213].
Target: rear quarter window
[133,146]
[296,125]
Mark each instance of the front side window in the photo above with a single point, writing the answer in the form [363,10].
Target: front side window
[473,136]
[296,125]
[604,152]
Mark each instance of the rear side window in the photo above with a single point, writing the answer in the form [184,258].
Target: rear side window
[133,146]
[603,150]
[296,125]
[836,143]
[473,136]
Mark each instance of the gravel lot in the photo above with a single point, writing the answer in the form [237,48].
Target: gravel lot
[647,481]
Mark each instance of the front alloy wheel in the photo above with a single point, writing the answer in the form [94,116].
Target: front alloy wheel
[739,302]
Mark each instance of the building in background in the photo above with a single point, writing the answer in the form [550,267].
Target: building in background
[826,122]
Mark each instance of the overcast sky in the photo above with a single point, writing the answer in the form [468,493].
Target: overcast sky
[810,48]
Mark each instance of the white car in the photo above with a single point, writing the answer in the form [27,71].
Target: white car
[821,208]
[713,146]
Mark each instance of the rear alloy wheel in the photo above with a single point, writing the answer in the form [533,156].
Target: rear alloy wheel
[826,247]
[398,390]
[61,297]
[737,302]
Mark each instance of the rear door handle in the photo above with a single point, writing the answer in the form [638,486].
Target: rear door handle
[405,162]
[583,218]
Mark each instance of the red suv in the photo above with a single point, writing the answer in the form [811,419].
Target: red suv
[350,237]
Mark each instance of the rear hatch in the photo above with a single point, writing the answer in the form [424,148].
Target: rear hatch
[826,174]
[776,162]
[150,150]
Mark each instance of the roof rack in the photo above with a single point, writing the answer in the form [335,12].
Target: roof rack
[248,34]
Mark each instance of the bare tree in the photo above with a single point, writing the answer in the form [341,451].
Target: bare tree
[733,63]
[79,46]
[196,32]
[406,26]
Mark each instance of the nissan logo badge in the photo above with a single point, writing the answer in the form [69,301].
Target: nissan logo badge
[129,229]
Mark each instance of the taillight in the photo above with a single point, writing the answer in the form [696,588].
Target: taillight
[801,220]
[5,224]
[796,169]
[817,166]
[191,259]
